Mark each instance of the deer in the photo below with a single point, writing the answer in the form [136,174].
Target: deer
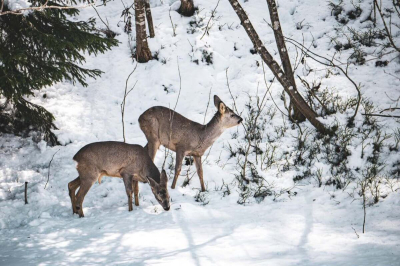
[163,126]
[116,159]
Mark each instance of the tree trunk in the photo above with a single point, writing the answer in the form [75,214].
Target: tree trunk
[283,53]
[149,18]
[296,98]
[143,53]
[187,8]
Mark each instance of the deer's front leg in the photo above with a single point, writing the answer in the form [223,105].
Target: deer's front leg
[199,167]
[178,166]
[128,187]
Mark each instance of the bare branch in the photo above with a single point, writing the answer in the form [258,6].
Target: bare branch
[389,34]
[173,26]
[48,172]
[124,101]
[208,23]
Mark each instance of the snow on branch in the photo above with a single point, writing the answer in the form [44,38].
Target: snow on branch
[23,7]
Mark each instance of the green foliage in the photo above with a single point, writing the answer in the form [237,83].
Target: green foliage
[38,50]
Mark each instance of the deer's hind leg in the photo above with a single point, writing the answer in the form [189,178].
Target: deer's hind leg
[178,166]
[129,188]
[87,181]
[136,192]
[72,187]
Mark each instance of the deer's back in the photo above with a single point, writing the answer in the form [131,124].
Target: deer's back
[168,125]
[111,156]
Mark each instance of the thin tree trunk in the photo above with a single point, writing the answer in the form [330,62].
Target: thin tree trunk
[296,98]
[143,53]
[187,8]
[283,53]
[149,18]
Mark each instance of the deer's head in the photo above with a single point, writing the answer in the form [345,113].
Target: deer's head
[160,191]
[228,117]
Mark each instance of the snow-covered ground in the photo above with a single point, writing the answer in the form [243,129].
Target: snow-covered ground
[317,226]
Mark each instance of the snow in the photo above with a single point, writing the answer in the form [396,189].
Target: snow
[17,4]
[318,226]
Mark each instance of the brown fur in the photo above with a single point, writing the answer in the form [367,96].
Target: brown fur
[117,159]
[163,126]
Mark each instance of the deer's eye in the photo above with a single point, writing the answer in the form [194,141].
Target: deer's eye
[232,115]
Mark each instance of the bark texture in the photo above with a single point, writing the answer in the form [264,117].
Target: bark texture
[149,18]
[187,8]
[143,53]
[280,42]
[296,98]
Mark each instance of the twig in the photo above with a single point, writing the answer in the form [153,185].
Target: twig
[389,109]
[393,116]
[311,91]
[212,15]
[229,88]
[48,172]
[355,232]
[330,63]
[205,114]
[26,192]
[364,202]
[386,27]
[272,98]
[172,114]
[95,9]
[173,27]
[124,101]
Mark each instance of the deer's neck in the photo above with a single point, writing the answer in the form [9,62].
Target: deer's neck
[211,131]
[154,173]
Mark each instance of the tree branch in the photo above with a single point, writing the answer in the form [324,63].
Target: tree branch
[296,98]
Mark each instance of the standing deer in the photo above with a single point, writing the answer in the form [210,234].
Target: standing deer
[163,126]
[117,159]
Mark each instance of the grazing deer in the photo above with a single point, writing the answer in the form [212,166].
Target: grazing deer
[117,159]
[163,126]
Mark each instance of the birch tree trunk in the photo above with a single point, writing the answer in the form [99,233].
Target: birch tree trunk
[143,53]
[149,18]
[187,8]
[283,53]
[296,98]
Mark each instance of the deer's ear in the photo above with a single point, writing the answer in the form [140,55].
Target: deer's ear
[221,108]
[151,182]
[164,178]
[217,100]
